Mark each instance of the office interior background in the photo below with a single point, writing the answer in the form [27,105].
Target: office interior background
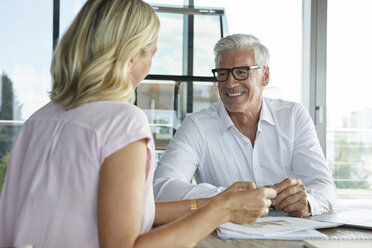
[320,56]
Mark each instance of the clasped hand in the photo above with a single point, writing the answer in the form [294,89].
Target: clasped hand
[291,197]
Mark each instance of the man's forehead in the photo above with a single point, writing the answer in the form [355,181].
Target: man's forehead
[244,56]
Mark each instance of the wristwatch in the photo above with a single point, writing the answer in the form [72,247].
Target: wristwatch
[193,205]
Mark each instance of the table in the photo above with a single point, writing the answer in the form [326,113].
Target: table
[212,240]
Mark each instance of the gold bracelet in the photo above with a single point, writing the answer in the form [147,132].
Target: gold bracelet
[193,205]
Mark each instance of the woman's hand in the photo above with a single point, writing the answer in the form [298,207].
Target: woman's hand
[244,203]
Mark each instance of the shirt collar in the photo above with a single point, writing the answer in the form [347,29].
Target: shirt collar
[226,121]
[265,115]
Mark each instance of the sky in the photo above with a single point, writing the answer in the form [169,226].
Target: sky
[26,50]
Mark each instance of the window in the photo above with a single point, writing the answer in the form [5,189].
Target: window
[280,31]
[349,101]
[180,79]
[207,33]
[158,100]
[68,11]
[285,45]
[168,58]
[26,50]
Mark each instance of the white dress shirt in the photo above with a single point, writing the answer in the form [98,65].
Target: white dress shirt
[210,148]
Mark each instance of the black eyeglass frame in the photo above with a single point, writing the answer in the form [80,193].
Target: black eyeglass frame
[231,71]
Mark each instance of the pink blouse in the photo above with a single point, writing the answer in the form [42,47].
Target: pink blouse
[49,197]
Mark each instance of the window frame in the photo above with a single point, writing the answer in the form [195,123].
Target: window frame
[314,57]
[313,94]
[188,49]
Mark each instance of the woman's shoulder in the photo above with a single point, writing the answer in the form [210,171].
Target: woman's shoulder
[110,113]
[110,107]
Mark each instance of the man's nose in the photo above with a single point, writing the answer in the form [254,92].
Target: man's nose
[231,82]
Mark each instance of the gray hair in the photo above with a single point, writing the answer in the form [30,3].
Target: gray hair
[235,41]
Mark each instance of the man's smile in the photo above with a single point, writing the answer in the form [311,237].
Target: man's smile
[235,94]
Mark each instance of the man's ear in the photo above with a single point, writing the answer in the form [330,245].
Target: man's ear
[266,75]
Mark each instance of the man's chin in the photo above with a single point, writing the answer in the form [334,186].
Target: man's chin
[234,109]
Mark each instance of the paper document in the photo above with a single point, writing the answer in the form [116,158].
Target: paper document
[300,235]
[338,243]
[275,227]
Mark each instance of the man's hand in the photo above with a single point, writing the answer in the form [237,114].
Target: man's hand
[241,186]
[291,197]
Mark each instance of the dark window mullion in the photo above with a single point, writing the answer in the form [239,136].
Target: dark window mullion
[56,7]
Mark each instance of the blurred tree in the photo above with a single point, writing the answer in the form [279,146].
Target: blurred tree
[3,164]
[349,164]
[8,107]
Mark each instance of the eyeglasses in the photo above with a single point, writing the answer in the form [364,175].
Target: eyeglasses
[239,73]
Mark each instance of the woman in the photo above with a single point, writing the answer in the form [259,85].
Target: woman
[80,171]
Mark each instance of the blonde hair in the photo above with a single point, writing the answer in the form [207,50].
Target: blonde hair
[91,61]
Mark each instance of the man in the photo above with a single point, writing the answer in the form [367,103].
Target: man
[247,137]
